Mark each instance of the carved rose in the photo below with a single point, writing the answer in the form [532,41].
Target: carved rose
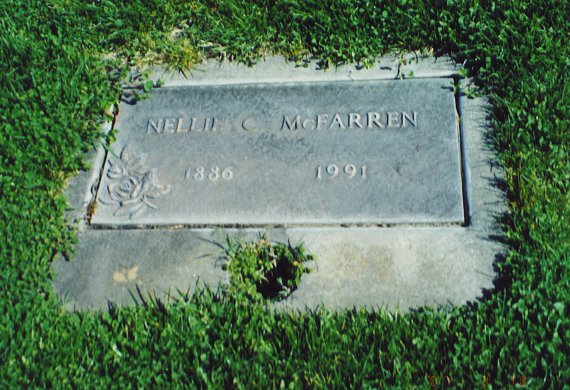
[132,187]
[128,188]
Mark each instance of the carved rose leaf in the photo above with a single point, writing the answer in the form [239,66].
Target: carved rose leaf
[158,191]
[147,185]
[127,153]
[137,166]
[151,176]
[116,170]
[149,204]
[129,209]
[132,162]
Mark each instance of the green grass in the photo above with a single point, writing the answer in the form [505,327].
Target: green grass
[61,63]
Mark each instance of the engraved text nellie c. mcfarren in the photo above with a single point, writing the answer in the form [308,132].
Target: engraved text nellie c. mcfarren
[332,121]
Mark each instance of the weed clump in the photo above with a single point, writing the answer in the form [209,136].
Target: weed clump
[262,270]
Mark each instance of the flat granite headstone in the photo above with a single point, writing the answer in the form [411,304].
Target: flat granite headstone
[356,152]
[387,182]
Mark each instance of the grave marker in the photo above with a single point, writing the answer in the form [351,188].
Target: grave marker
[319,153]
[387,182]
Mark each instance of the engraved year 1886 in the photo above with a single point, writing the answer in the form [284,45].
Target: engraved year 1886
[212,174]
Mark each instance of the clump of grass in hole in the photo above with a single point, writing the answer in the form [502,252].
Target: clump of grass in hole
[265,270]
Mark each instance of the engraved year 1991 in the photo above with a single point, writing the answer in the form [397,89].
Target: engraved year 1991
[349,171]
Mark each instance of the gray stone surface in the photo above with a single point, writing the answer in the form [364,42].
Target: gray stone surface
[360,152]
[401,266]
[111,264]
[277,69]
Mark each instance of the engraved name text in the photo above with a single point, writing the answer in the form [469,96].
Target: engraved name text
[351,120]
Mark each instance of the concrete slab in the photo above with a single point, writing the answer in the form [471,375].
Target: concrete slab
[395,266]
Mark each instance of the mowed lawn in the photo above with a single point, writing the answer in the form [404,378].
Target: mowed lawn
[62,65]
